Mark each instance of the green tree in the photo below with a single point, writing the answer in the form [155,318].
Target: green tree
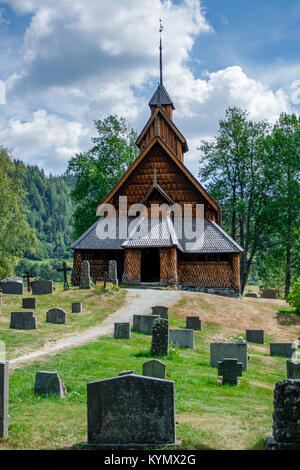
[15,233]
[98,170]
[240,176]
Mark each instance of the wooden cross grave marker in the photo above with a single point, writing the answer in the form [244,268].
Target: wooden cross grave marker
[64,270]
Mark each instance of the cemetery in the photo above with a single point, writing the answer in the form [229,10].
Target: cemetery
[209,380]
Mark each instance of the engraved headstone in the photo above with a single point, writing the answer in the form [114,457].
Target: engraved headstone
[85,277]
[182,338]
[4,386]
[76,307]
[255,336]
[237,351]
[161,311]
[131,411]
[160,337]
[42,287]
[193,323]
[282,349]
[48,383]
[23,321]
[230,370]
[122,330]
[29,302]
[12,286]
[154,368]
[143,323]
[56,315]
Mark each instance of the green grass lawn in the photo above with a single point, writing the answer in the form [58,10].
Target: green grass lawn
[96,307]
[208,415]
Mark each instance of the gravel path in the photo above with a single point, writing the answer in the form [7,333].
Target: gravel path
[139,301]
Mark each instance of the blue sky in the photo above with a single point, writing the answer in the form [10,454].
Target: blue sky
[68,62]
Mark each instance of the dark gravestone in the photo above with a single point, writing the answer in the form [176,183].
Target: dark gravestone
[131,411]
[85,276]
[122,330]
[293,369]
[56,315]
[12,286]
[269,294]
[48,383]
[254,296]
[161,311]
[286,417]
[4,385]
[255,336]
[154,368]
[76,307]
[193,323]
[22,321]
[127,372]
[237,351]
[42,287]
[282,349]
[29,302]
[230,370]
[182,338]
[112,272]
[160,337]
[144,323]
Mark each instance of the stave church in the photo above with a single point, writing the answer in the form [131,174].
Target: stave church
[159,177]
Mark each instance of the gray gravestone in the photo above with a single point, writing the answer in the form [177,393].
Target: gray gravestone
[112,271]
[127,372]
[293,369]
[12,286]
[282,349]
[286,417]
[144,323]
[4,386]
[237,351]
[230,370]
[193,323]
[269,294]
[154,368]
[182,338]
[122,330]
[76,307]
[23,321]
[254,296]
[255,336]
[48,383]
[85,277]
[161,311]
[56,315]
[42,287]
[29,302]
[131,411]
[160,337]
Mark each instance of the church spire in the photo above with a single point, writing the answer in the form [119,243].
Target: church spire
[161,96]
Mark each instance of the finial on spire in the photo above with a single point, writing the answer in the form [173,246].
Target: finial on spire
[160,52]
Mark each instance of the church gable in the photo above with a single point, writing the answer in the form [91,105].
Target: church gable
[169,177]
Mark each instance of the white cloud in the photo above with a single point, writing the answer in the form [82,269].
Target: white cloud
[46,140]
[84,60]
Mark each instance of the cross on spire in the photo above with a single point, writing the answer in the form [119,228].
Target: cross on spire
[160,52]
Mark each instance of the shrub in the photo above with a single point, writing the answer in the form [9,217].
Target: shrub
[294,296]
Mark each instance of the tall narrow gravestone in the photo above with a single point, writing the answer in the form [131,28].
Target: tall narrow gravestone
[131,411]
[112,272]
[85,277]
[286,417]
[160,337]
[4,384]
